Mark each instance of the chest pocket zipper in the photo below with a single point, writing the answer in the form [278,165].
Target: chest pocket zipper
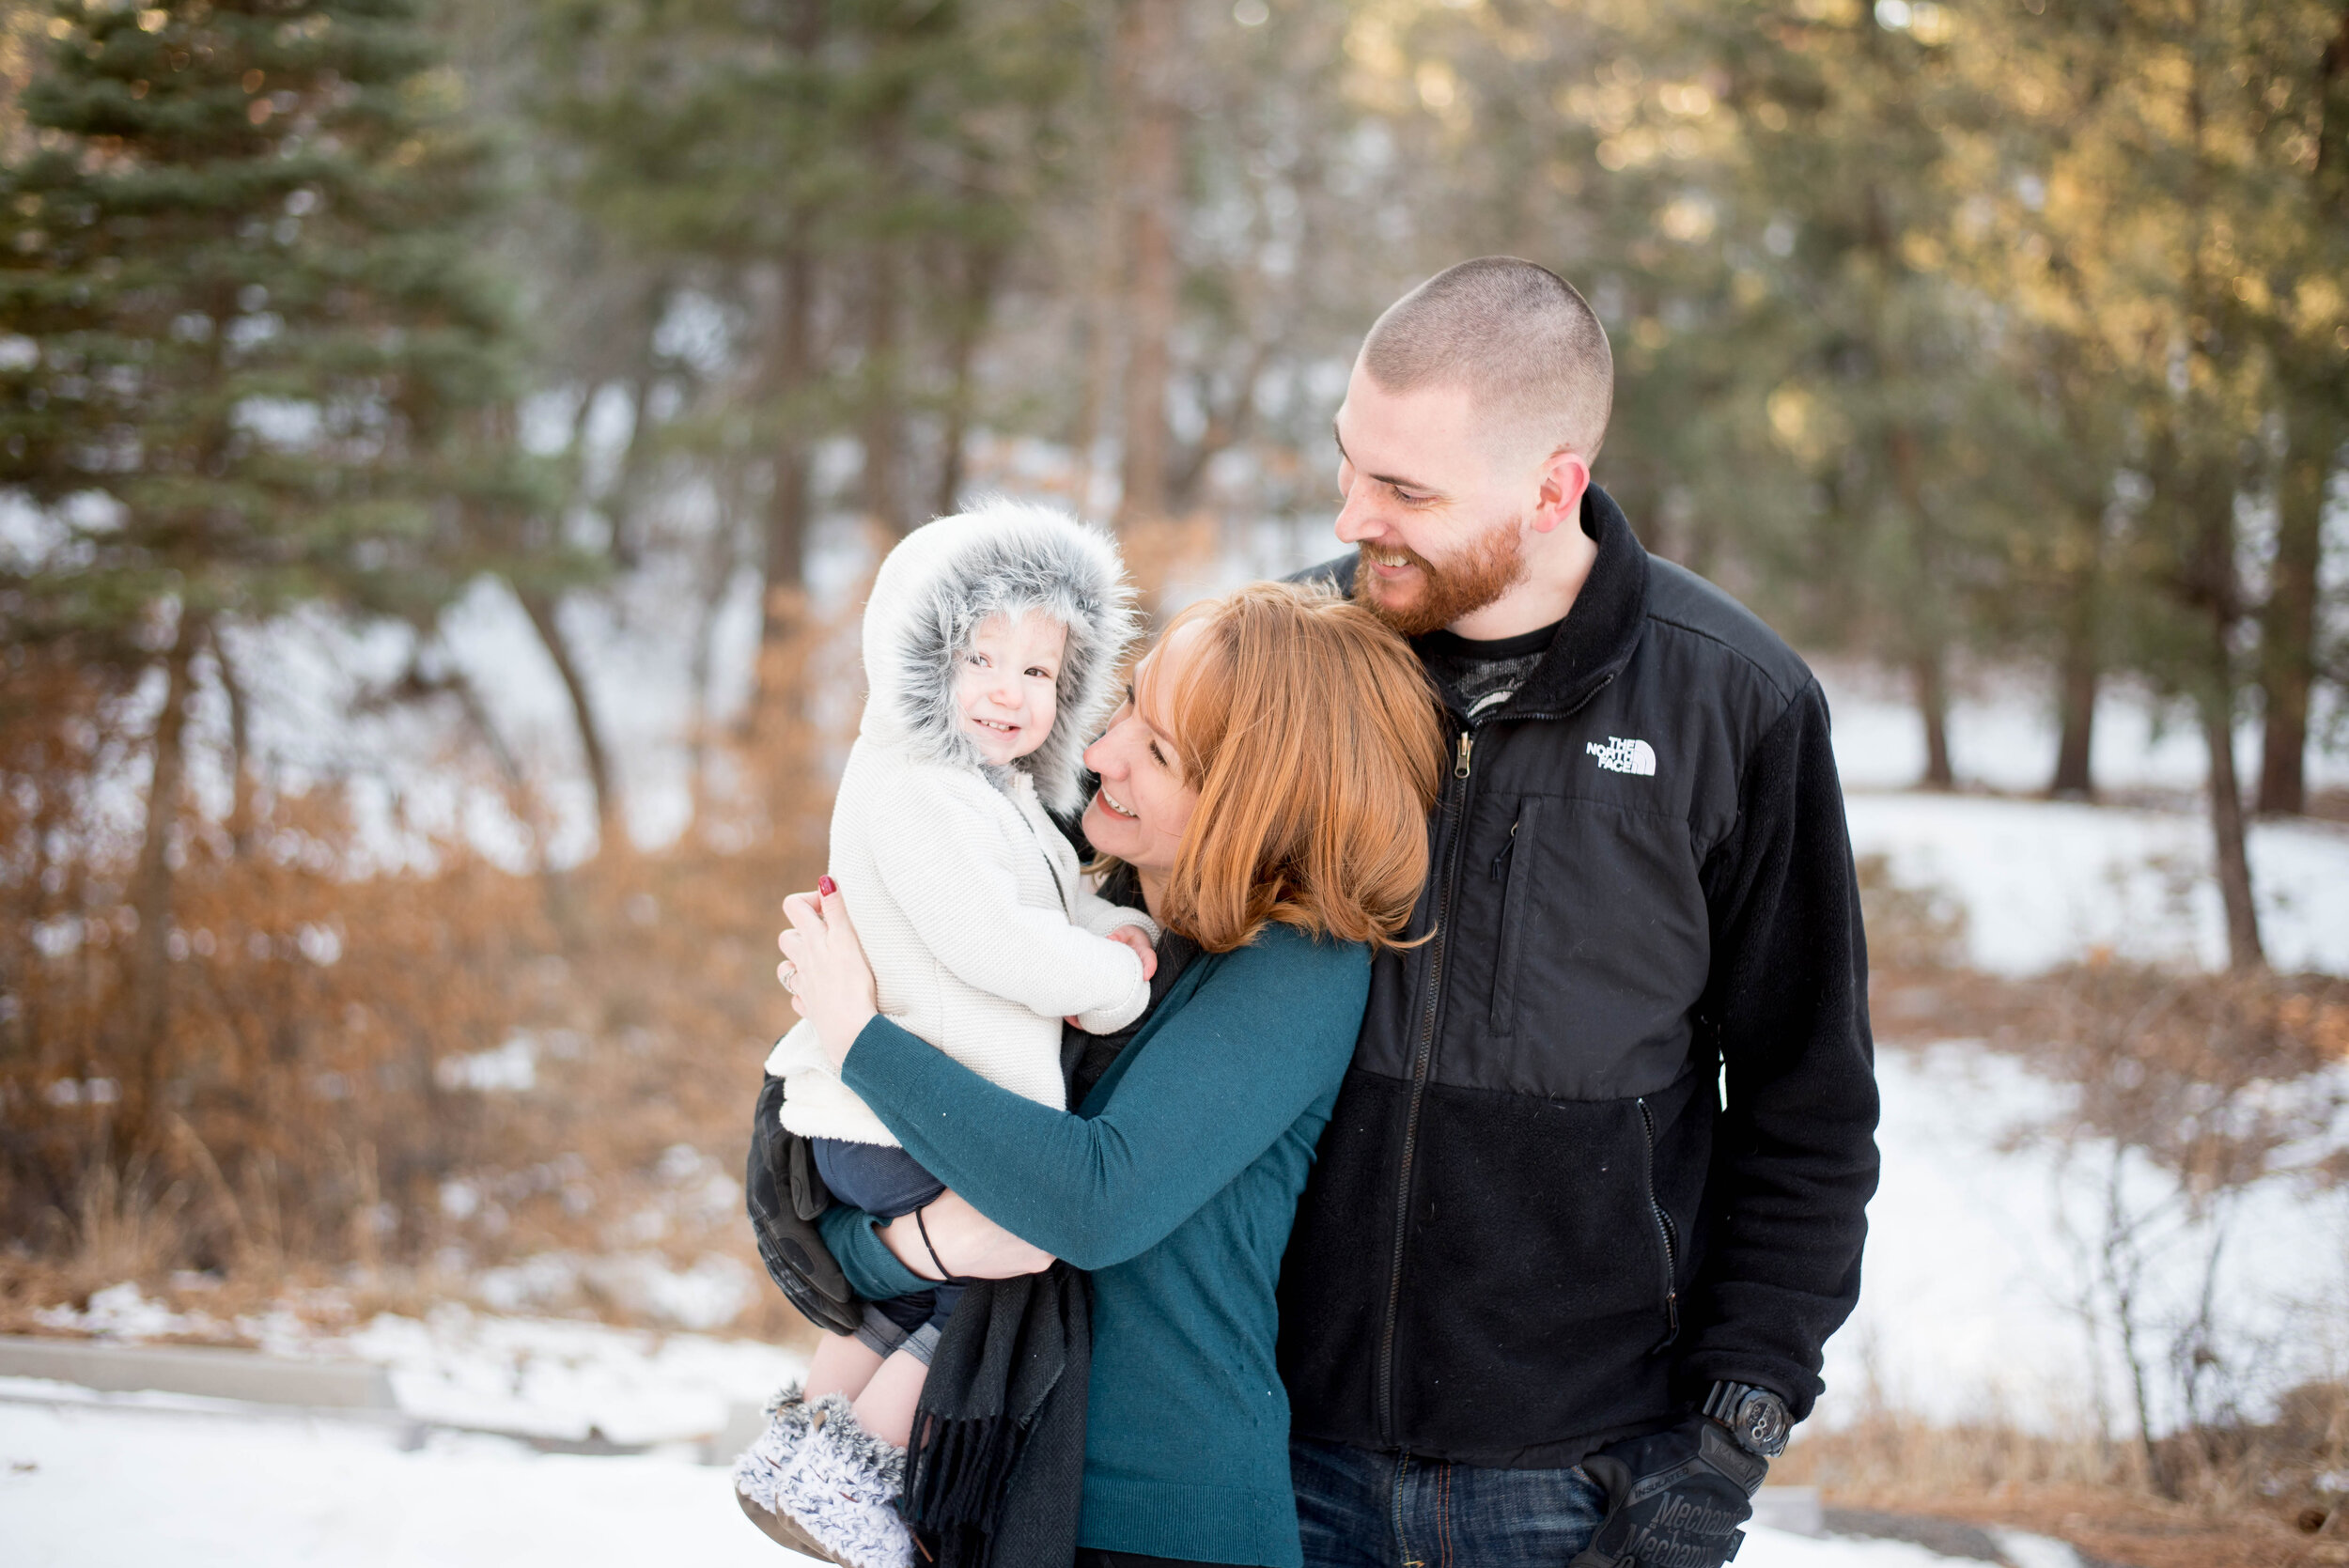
[1665,1231]
[1515,894]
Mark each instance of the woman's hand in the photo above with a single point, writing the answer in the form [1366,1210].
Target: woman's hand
[824,970]
[971,1246]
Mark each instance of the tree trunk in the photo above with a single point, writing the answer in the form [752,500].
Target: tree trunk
[625,502]
[1102,323]
[541,610]
[981,265]
[784,540]
[2288,626]
[1929,662]
[2208,483]
[790,370]
[2226,821]
[2078,676]
[151,884]
[883,422]
[240,749]
[1227,425]
[1148,37]
[1930,671]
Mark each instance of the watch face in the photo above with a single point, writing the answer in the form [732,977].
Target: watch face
[1761,1424]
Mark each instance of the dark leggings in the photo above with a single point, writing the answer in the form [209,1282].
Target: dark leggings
[1094,1556]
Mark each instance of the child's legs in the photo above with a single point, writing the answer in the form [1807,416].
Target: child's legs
[843,1364]
[885,1408]
[872,1366]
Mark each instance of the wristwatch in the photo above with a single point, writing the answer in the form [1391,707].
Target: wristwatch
[1756,1417]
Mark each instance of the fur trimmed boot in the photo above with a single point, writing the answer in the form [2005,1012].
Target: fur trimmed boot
[842,1488]
[760,1468]
[758,1473]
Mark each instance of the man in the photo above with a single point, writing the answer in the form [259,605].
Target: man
[1594,1194]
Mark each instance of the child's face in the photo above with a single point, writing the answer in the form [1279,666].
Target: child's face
[1006,684]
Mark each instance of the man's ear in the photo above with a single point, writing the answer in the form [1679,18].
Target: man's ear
[1564,478]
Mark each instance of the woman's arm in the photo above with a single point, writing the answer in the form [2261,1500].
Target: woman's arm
[871,1269]
[1268,1034]
[886,1258]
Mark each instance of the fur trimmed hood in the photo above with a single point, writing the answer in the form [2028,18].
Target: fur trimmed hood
[943,580]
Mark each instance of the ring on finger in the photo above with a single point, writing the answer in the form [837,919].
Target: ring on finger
[789,974]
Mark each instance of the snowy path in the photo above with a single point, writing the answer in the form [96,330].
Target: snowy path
[111,1489]
[126,1489]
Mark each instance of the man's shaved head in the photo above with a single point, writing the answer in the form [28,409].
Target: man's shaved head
[1516,337]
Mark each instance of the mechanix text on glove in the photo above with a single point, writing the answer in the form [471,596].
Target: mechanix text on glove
[1674,1500]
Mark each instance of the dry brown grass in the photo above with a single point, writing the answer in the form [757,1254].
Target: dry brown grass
[2091,1492]
[2184,1068]
[308,1108]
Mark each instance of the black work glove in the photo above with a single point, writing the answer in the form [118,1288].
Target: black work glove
[783,1195]
[1674,1498]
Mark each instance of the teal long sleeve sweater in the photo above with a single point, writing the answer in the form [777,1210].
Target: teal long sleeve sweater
[1176,1184]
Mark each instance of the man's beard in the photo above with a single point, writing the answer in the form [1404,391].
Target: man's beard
[1485,570]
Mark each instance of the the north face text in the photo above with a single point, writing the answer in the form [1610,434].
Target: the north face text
[1624,756]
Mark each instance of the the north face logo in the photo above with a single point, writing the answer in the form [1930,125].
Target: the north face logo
[1624,756]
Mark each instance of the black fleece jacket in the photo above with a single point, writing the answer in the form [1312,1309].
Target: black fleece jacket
[1609,1136]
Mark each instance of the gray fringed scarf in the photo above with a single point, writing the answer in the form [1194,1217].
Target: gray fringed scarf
[995,1470]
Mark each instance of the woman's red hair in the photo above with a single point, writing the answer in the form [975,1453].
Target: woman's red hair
[1312,735]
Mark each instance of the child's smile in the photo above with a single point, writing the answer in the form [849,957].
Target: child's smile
[1007,686]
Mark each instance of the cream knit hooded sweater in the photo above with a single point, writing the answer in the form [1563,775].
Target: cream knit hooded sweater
[982,930]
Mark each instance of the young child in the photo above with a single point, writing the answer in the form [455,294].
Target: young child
[992,644]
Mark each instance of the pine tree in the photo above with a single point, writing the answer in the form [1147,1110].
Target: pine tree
[841,183]
[247,360]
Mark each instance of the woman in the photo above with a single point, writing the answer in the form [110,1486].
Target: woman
[1268,782]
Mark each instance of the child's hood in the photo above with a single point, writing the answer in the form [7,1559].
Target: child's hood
[945,580]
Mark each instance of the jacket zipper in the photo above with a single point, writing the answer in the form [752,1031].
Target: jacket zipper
[1422,1057]
[1663,1227]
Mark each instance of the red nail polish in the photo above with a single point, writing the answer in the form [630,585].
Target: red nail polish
[826,885]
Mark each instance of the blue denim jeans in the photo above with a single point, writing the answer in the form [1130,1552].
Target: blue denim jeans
[1356,1509]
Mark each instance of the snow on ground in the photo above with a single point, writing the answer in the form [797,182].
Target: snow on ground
[1976,1265]
[102,1488]
[2047,882]
[98,1488]
[563,1379]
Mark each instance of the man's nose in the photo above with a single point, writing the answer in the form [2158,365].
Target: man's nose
[1357,520]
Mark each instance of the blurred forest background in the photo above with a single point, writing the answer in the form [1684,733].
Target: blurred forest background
[1949,334]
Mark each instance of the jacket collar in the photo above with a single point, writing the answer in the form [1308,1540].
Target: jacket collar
[1595,640]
